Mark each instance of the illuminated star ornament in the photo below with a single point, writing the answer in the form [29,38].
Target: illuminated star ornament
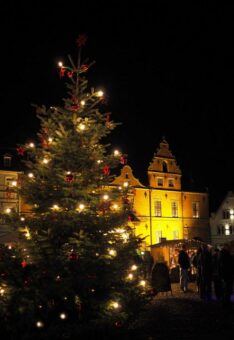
[20,150]
[81,40]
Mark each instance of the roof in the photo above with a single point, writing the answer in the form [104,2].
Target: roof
[178,243]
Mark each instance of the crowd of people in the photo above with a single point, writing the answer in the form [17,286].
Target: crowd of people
[213,269]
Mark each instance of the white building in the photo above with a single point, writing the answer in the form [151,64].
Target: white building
[222,222]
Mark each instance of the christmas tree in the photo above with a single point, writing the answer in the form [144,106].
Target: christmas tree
[81,272]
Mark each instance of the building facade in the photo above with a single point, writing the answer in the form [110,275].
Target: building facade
[162,209]
[222,222]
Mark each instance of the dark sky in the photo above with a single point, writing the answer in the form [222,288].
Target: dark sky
[167,68]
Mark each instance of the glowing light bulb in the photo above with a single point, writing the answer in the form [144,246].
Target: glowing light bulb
[81,206]
[112,252]
[115,305]
[30,175]
[116,153]
[105,197]
[45,161]
[55,207]
[142,283]
[81,127]
[22,219]
[50,139]
[63,316]
[8,210]
[39,324]
[31,145]
[130,276]
[115,206]
[100,94]
[82,102]
[134,267]
[125,184]
[14,183]
[60,64]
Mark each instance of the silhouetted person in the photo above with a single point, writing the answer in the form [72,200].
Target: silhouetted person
[160,278]
[204,264]
[184,264]
[216,275]
[226,271]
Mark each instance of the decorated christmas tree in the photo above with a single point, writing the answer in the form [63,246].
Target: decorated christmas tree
[80,271]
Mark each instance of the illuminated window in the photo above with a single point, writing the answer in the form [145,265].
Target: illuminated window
[157,208]
[158,236]
[226,214]
[160,181]
[195,209]
[227,229]
[175,234]
[171,183]
[7,160]
[174,209]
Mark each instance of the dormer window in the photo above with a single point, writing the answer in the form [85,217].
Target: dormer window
[7,160]
[165,167]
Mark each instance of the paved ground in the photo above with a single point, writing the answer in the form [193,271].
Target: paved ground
[183,316]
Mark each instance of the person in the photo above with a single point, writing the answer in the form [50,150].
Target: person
[216,275]
[160,278]
[184,263]
[226,272]
[204,265]
[194,261]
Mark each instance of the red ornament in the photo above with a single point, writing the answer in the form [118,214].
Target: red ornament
[84,68]
[106,170]
[23,264]
[73,256]
[81,40]
[70,74]
[20,150]
[118,324]
[62,72]
[44,143]
[123,160]
[69,178]
[74,108]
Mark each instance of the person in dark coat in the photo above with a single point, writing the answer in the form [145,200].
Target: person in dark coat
[226,271]
[216,275]
[184,263]
[160,278]
[204,264]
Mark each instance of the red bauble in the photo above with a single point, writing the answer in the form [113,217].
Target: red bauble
[62,72]
[70,74]
[106,170]
[123,160]
[73,256]
[23,264]
[74,108]
[69,178]
[45,143]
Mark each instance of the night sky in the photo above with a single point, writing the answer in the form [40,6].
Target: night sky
[167,69]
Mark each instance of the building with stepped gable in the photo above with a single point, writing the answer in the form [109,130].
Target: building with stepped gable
[162,209]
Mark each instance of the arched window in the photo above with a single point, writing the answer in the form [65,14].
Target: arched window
[165,167]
